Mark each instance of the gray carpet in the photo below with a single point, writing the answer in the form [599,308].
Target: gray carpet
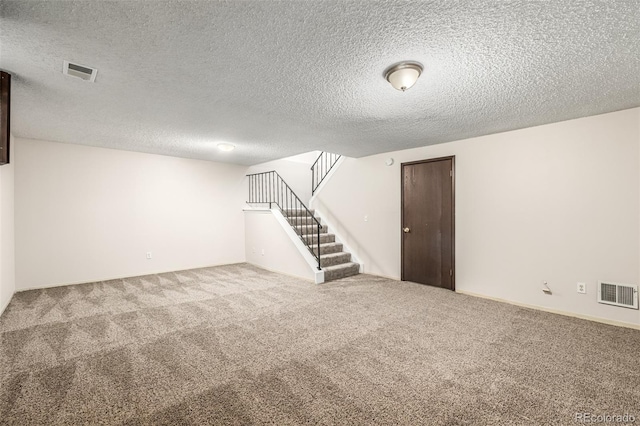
[239,345]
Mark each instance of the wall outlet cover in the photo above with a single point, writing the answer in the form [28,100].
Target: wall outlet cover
[582,288]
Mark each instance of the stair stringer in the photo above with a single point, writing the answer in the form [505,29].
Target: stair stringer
[335,231]
[302,248]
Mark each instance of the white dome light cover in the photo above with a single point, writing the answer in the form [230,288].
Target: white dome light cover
[403,75]
[226,147]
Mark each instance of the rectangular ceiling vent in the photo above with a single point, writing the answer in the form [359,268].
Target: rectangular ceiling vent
[624,295]
[80,71]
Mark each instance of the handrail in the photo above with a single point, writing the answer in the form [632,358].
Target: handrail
[321,168]
[269,187]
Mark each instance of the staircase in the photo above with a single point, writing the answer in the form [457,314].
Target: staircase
[334,261]
[268,188]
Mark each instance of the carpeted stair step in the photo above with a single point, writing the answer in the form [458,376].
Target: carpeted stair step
[328,248]
[335,259]
[324,238]
[335,262]
[302,220]
[310,229]
[296,212]
[340,271]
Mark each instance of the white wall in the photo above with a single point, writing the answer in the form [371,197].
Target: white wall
[7,242]
[558,202]
[86,214]
[268,246]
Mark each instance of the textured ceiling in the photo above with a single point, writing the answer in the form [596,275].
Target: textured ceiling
[282,78]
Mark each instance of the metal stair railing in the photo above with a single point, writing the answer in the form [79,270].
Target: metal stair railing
[321,168]
[270,188]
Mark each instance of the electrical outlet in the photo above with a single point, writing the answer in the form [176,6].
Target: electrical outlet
[263,252]
[366,218]
[149,255]
[582,288]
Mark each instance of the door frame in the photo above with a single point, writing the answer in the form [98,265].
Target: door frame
[453,213]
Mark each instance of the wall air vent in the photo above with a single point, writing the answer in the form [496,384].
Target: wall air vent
[624,295]
[80,71]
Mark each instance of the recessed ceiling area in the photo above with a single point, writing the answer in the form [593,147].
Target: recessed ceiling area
[277,79]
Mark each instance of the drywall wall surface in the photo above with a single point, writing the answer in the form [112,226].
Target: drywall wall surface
[296,172]
[87,214]
[557,203]
[7,241]
[267,245]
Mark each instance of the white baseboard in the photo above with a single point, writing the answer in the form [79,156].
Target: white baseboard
[2,308]
[554,311]
[126,276]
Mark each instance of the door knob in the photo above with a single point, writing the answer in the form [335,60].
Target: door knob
[406,230]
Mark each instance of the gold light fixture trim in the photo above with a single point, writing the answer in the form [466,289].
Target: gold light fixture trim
[403,75]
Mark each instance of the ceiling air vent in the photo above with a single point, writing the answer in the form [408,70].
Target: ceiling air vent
[80,71]
[624,295]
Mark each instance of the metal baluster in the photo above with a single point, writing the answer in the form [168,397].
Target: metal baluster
[270,189]
[297,215]
[326,162]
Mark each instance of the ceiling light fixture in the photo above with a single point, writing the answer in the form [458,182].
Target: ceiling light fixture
[226,147]
[403,75]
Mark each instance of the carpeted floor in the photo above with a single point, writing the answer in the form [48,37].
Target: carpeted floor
[239,345]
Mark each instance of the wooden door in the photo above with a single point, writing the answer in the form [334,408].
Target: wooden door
[428,249]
